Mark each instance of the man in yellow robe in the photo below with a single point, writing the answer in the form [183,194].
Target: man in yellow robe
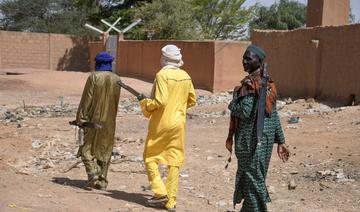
[173,93]
[98,105]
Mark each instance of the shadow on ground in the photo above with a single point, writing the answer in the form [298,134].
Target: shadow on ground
[69,182]
[137,198]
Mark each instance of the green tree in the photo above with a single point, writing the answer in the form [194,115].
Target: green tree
[167,19]
[125,9]
[194,19]
[92,9]
[23,15]
[351,17]
[53,16]
[222,19]
[285,15]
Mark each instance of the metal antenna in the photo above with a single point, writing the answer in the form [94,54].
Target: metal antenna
[112,26]
[131,26]
[94,28]
[111,41]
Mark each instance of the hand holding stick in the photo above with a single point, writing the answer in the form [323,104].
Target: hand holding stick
[86,125]
[139,96]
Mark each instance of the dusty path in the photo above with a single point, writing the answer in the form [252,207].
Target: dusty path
[38,145]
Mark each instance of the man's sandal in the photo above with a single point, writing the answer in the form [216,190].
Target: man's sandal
[157,200]
[92,180]
[171,209]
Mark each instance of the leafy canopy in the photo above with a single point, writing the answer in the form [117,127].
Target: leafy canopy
[162,19]
[285,15]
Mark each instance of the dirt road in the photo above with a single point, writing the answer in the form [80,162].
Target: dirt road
[37,145]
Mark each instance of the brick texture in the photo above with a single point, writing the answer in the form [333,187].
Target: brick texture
[319,62]
[43,51]
[212,65]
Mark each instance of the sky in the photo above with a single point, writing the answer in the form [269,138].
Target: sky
[354,4]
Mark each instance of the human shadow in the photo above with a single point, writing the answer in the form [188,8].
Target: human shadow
[69,182]
[137,198]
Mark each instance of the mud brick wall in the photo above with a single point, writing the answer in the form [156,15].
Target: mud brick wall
[327,12]
[94,49]
[70,53]
[320,62]
[43,51]
[24,50]
[212,65]
[228,70]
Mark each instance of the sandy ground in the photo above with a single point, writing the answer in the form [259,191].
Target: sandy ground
[36,150]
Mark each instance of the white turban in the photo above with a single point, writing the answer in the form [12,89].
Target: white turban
[171,56]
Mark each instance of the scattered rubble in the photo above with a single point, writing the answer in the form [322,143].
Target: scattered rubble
[20,114]
[30,145]
[294,120]
[271,190]
[292,184]
[209,158]
[221,204]
[184,174]
[131,106]
[221,98]
[146,188]
[280,105]
[288,101]
[336,175]
[35,143]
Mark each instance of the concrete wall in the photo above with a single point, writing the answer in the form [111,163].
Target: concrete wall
[43,51]
[315,62]
[207,62]
[327,12]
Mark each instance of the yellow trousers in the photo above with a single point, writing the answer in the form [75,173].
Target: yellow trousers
[158,186]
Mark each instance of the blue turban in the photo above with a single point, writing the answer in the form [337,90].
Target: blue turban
[103,62]
[257,50]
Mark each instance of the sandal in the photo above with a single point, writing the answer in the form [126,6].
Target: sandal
[92,180]
[157,200]
[171,209]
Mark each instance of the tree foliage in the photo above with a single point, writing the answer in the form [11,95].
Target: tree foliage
[54,16]
[162,19]
[352,19]
[285,15]
[125,9]
[167,19]
[224,19]
[195,19]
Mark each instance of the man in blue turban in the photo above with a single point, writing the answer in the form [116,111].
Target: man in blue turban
[103,62]
[99,103]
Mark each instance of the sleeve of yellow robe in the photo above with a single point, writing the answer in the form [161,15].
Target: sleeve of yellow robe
[192,97]
[160,99]
[86,101]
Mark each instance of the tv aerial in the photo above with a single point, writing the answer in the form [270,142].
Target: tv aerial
[111,41]
[113,27]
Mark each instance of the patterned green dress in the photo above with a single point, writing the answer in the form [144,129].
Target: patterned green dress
[253,158]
